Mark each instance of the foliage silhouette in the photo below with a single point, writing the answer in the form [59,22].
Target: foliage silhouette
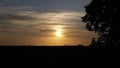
[103,18]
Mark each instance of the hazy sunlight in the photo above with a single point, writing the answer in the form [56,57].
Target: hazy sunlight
[58,32]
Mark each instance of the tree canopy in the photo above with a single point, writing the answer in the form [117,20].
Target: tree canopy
[103,17]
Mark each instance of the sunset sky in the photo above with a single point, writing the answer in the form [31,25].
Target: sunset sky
[43,22]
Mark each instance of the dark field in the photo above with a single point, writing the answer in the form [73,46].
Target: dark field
[70,56]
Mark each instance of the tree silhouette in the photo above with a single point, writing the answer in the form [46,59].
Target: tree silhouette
[103,17]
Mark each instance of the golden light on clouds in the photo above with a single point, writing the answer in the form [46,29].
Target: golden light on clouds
[47,28]
[43,22]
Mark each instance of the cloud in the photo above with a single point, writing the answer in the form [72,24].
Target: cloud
[39,23]
[14,16]
[1,4]
[29,19]
[47,5]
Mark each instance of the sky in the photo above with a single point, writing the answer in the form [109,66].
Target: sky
[43,22]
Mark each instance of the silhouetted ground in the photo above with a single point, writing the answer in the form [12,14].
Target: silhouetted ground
[68,56]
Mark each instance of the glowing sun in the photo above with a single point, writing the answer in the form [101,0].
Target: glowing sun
[58,32]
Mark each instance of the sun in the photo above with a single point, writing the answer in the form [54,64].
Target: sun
[58,32]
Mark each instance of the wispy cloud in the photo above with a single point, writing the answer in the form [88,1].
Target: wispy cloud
[13,16]
[44,5]
[22,20]
[39,23]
